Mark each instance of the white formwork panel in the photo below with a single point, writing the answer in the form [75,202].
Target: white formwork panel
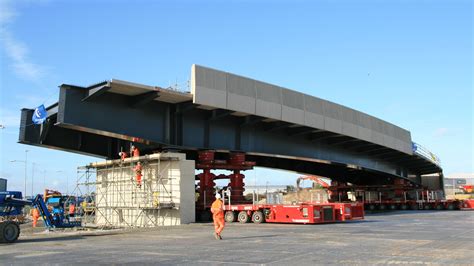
[166,195]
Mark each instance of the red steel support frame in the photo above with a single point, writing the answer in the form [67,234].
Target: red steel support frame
[235,163]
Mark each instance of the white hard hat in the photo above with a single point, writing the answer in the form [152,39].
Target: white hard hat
[218,196]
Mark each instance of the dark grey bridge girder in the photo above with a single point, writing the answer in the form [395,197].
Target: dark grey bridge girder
[103,119]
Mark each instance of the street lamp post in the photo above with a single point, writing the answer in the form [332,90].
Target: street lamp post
[44,179]
[32,178]
[26,168]
[67,181]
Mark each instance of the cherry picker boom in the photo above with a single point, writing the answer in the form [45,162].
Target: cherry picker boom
[11,207]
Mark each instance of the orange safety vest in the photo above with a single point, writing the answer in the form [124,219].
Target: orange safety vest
[138,169]
[36,213]
[72,209]
[136,152]
[216,208]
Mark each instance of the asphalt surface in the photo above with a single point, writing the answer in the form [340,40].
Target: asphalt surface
[402,237]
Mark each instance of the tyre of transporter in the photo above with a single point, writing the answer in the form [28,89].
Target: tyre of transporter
[230,217]
[243,217]
[403,207]
[10,231]
[382,207]
[450,206]
[371,207]
[1,232]
[393,207]
[258,217]
[427,207]
[439,207]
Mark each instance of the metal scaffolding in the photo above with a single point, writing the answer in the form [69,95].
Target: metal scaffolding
[118,200]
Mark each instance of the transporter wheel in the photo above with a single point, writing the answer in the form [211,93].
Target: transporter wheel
[414,207]
[450,206]
[257,217]
[382,207]
[1,232]
[427,207]
[230,217]
[393,207]
[243,217]
[439,207]
[403,207]
[371,207]
[9,232]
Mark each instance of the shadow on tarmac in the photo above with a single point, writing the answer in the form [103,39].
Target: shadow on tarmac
[248,237]
[398,212]
[48,238]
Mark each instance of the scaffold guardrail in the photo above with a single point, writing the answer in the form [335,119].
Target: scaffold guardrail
[425,153]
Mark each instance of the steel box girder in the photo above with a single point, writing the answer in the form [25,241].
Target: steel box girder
[104,125]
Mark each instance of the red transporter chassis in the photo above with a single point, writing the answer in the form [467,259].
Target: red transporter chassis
[304,213]
[413,205]
[467,204]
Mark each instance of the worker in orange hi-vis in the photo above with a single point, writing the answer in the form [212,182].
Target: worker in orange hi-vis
[138,174]
[218,216]
[72,209]
[135,152]
[36,216]
[123,155]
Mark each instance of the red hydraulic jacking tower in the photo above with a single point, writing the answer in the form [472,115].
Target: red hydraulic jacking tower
[206,187]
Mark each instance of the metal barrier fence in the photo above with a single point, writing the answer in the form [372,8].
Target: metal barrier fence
[425,153]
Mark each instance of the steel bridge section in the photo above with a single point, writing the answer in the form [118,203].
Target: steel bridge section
[103,125]
[274,126]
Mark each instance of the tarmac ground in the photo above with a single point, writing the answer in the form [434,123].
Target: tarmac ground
[401,237]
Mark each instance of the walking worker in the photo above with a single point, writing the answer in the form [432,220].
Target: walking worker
[36,215]
[138,174]
[218,216]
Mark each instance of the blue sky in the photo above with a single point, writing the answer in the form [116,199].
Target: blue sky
[407,62]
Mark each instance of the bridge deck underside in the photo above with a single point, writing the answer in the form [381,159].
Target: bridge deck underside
[107,123]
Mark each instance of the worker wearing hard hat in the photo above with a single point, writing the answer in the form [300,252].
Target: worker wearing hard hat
[36,215]
[134,151]
[218,216]
[138,174]
[123,155]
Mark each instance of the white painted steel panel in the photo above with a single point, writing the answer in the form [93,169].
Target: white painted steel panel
[292,115]
[268,109]
[241,103]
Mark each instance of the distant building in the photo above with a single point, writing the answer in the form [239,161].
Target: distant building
[453,182]
[3,184]
[262,189]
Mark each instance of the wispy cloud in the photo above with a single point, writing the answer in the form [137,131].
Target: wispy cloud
[441,132]
[16,50]
[7,14]
[9,119]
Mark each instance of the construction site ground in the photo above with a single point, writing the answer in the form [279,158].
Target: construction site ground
[401,237]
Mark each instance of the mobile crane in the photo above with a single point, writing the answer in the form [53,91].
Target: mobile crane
[11,208]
